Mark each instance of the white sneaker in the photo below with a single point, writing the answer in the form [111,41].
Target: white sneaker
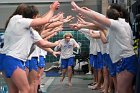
[90,86]
[89,73]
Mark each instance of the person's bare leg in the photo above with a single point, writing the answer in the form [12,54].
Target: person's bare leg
[95,75]
[40,73]
[33,81]
[69,75]
[124,82]
[99,78]
[27,71]
[19,78]
[115,83]
[106,80]
[98,84]
[11,86]
[63,75]
[111,86]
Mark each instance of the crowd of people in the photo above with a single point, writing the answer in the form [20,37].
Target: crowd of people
[26,40]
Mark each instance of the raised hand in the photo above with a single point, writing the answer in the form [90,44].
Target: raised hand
[86,8]
[57,17]
[75,6]
[80,20]
[55,6]
[75,26]
[55,53]
[68,19]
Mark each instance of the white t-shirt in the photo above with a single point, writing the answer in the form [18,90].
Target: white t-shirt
[128,29]
[67,48]
[19,37]
[107,44]
[43,53]
[93,42]
[118,42]
[35,53]
[102,47]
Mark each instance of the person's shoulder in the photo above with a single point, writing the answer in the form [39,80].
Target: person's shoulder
[115,24]
[62,40]
[17,16]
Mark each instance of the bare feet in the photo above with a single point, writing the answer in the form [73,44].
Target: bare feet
[70,84]
[61,80]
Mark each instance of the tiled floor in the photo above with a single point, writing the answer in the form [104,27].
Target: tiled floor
[53,85]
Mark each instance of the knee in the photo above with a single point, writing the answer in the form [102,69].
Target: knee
[69,70]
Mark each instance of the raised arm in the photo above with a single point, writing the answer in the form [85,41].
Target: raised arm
[94,34]
[81,23]
[103,36]
[53,25]
[45,19]
[53,33]
[54,53]
[92,14]
[46,44]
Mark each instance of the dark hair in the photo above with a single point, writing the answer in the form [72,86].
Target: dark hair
[113,14]
[25,10]
[33,11]
[123,12]
[116,6]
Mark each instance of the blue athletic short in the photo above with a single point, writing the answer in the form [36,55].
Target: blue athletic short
[100,60]
[10,64]
[41,62]
[105,59]
[67,62]
[1,61]
[111,66]
[27,64]
[93,61]
[33,64]
[129,64]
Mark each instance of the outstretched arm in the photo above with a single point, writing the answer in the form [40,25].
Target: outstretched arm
[45,19]
[94,34]
[54,53]
[91,14]
[103,36]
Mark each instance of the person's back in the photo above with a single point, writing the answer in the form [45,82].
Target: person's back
[17,38]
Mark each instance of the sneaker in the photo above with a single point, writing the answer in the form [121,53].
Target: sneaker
[90,84]
[93,87]
[89,73]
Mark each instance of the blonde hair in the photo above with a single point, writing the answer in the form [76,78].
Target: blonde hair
[67,35]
